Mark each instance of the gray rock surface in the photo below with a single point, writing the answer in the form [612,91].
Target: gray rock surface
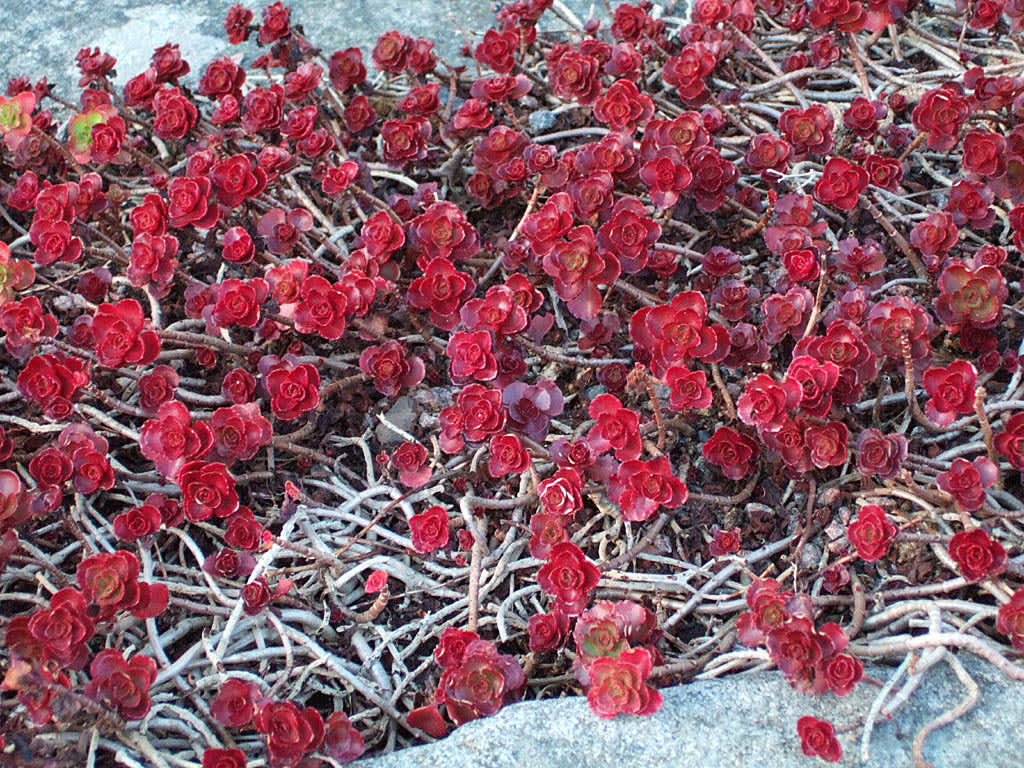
[41,37]
[737,722]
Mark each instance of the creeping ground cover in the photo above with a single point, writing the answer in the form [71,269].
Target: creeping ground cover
[349,396]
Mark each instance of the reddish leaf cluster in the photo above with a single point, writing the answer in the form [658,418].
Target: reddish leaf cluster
[531,289]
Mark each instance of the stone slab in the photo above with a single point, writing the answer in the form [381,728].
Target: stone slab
[746,721]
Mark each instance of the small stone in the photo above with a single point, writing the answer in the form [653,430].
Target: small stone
[542,120]
[403,415]
[810,555]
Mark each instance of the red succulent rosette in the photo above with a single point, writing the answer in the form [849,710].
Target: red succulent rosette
[767,611]
[799,650]
[895,318]
[171,439]
[109,583]
[622,107]
[507,456]
[952,391]
[687,71]
[208,490]
[545,227]
[935,237]
[442,290]
[405,140]
[880,454]
[51,381]
[391,367]
[391,51]
[808,130]
[1010,619]
[137,522]
[629,234]
[471,357]
[236,24]
[573,75]
[731,451]
[609,628]
[1010,442]
[16,118]
[884,172]
[261,109]
[970,296]
[342,742]
[235,302]
[841,184]
[256,596]
[618,685]
[862,116]
[733,298]
[827,444]
[561,494]
[531,407]
[291,733]
[452,646]
[547,631]
[121,685]
[235,703]
[51,467]
[281,229]
[547,529]
[157,387]
[817,739]
[223,758]
[222,77]
[940,113]
[641,488]
[410,460]
[569,577]
[617,428]
[26,325]
[123,335]
[666,175]
[577,268]
[498,50]
[501,88]
[238,432]
[677,332]
[294,390]
[498,312]
[346,68]
[977,555]
[786,314]
[871,533]
[475,417]
[765,402]
[688,389]
[966,481]
[190,203]
[429,529]
[481,682]
[816,381]
[984,153]
[62,631]
[237,178]
[842,672]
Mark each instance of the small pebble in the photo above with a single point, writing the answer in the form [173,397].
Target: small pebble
[810,555]
[542,120]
